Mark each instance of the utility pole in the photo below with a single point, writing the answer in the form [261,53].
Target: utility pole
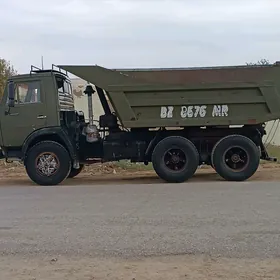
[42,62]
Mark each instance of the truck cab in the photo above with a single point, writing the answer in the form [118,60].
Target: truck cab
[35,107]
[36,102]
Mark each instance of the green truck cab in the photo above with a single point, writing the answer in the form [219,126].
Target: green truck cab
[177,119]
[37,102]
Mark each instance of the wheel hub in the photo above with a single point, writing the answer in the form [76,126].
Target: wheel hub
[175,159]
[235,158]
[47,164]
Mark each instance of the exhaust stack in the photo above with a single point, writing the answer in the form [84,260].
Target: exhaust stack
[91,130]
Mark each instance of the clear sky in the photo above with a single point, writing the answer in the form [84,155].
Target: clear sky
[139,33]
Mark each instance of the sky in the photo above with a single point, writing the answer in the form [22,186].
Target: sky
[139,33]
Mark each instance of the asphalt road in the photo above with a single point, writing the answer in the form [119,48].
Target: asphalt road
[218,219]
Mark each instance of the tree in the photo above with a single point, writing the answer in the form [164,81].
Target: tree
[259,63]
[6,71]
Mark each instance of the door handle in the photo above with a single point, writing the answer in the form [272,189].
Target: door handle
[41,117]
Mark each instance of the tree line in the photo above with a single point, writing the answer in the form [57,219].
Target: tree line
[6,71]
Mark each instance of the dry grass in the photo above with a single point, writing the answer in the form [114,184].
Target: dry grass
[274,151]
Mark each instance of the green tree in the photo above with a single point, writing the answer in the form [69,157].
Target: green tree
[6,71]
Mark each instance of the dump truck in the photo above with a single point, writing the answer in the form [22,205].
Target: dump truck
[175,118]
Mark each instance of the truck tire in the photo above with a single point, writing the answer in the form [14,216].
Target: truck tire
[48,163]
[235,158]
[74,172]
[175,159]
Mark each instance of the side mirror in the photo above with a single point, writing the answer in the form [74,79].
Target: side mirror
[11,94]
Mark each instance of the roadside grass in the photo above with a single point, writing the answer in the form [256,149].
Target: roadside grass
[274,151]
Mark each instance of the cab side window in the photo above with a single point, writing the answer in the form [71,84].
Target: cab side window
[28,92]
[63,86]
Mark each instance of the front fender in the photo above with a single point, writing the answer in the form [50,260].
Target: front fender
[49,133]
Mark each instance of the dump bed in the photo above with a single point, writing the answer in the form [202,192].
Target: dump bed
[210,96]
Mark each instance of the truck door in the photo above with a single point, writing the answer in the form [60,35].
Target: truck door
[28,114]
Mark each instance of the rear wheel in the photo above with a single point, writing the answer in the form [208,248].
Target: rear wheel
[48,163]
[175,159]
[235,158]
[74,172]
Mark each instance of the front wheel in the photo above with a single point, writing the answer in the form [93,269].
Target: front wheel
[48,163]
[175,159]
[235,158]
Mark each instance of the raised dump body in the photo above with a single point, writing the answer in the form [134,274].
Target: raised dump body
[211,96]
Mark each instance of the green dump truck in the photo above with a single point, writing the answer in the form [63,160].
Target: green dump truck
[177,119]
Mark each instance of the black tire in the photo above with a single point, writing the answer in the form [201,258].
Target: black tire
[60,156]
[185,150]
[235,158]
[74,172]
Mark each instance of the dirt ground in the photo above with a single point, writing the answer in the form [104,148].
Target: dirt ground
[167,267]
[14,174]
